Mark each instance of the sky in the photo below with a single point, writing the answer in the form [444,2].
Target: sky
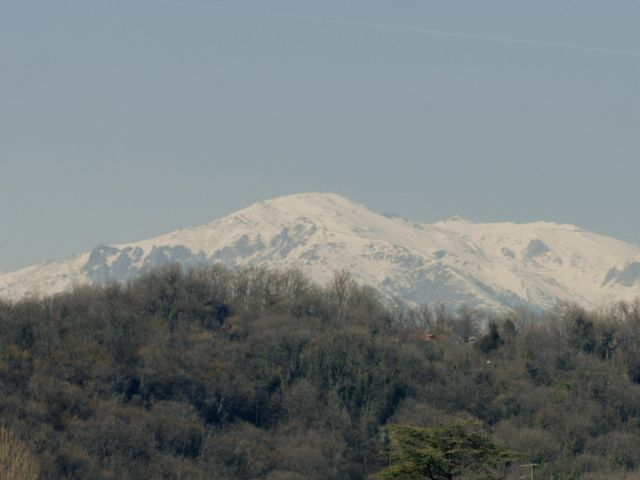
[127,119]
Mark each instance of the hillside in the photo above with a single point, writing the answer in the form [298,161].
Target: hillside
[245,375]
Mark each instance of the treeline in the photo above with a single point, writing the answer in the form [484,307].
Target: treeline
[214,374]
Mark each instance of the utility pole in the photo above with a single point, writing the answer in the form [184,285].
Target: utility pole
[531,466]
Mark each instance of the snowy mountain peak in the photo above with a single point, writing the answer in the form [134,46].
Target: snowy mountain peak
[308,200]
[496,265]
[321,207]
[455,218]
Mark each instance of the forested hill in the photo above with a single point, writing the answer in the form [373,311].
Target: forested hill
[214,374]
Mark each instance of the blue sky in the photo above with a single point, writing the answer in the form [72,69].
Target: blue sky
[122,120]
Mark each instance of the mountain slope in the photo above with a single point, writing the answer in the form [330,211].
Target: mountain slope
[457,261]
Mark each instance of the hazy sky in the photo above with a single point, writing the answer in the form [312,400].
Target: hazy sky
[126,119]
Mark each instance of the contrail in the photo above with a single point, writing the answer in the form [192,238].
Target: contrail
[420,30]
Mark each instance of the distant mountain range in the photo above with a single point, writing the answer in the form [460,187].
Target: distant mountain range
[494,265]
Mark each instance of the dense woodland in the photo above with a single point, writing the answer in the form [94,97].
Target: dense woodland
[214,374]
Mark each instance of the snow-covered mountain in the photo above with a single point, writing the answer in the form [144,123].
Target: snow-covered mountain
[456,261]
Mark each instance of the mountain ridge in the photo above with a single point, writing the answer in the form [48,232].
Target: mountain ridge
[457,261]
